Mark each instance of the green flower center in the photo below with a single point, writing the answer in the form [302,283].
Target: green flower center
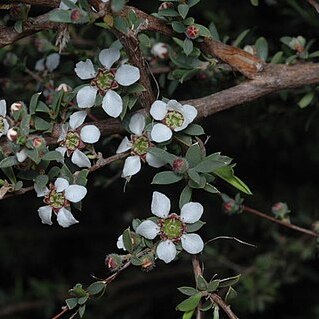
[1,124]
[105,80]
[72,141]
[56,200]
[140,145]
[174,119]
[172,228]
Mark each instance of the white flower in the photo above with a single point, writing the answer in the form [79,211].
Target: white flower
[160,50]
[57,199]
[174,117]
[138,143]
[21,155]
[51,62]
[105,81]
[4,125]
[172,228]
[73,140]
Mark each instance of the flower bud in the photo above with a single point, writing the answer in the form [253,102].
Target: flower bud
[75,15]
[180,165]
[114,262]
[192,32]
[37,142]
[280,210]
[148,262]
[17,106]
[160,50]
[165,5]
[298,44]
[64,87]
[230,207]
[12,134]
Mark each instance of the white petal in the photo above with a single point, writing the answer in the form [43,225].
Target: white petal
[132,166]
[161,205]
[6,126]
[64,132]
[192,212]
[173,105]
[161,133]
[39,65]
[86,97]
[85,70]
[148,229]
[192,243]
[45,213]
[80,159]
[61,184]
[75,193]
[190,112]
[52,61]
[154,161]
[127,74]
[120,243]
[125,145]
[62,151]
[166,251]
[137,124]
[158,110]
[77,119]
[3,108]
[21,156]
[90,134]
[65,218]
[109,56]
[41,191]
[112,103]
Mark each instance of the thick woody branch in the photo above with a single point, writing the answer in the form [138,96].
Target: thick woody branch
[9,35]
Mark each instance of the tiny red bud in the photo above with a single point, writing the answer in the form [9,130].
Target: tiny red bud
[64,87]
[180,165]
[37,142]
[192,32]
[166,5]
[148,263]
[113,262]
[17,106]
[75,15]
[12,134]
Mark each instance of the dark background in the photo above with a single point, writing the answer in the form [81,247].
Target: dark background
[275,146]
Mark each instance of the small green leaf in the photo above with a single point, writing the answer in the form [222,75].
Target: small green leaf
[306,100]
[262,48]
[41,125]
[203,31]
[188,291]
[59,15]
[191,228]
[71,303]
[231,294]
[189,303]
[166,177]
[213,285]
[192,3]
[162,155]
[193,175]
[194,130]
[34,102]
[41,181]
[183,10]
[240,38]
[201,283]
[8,162]
[229,281]
[178,27]
[185,197]
[52,156]
[188,314]
[96,287]
[188,46]
[194,155]
[227,173]
[82,311]
[211,189]
[254,2]
[127,239]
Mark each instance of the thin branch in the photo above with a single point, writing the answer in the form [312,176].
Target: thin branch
[197,270]
[280,222]
[220,302]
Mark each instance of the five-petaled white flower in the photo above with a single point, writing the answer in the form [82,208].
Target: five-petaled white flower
[4,125]
[138,143]
[58,199]
[104,81]
[73,140]
[172,228]
[174,117]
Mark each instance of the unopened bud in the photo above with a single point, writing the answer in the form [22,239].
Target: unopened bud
[12,134]
[192,32]
[230,207]
[17,106]
[75,15]
[148,262]
[160,50]
[298,44]
[166,5]
[280,210]
[114,262]
[180,165]
[250,49]
[37,142]
[64,87]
